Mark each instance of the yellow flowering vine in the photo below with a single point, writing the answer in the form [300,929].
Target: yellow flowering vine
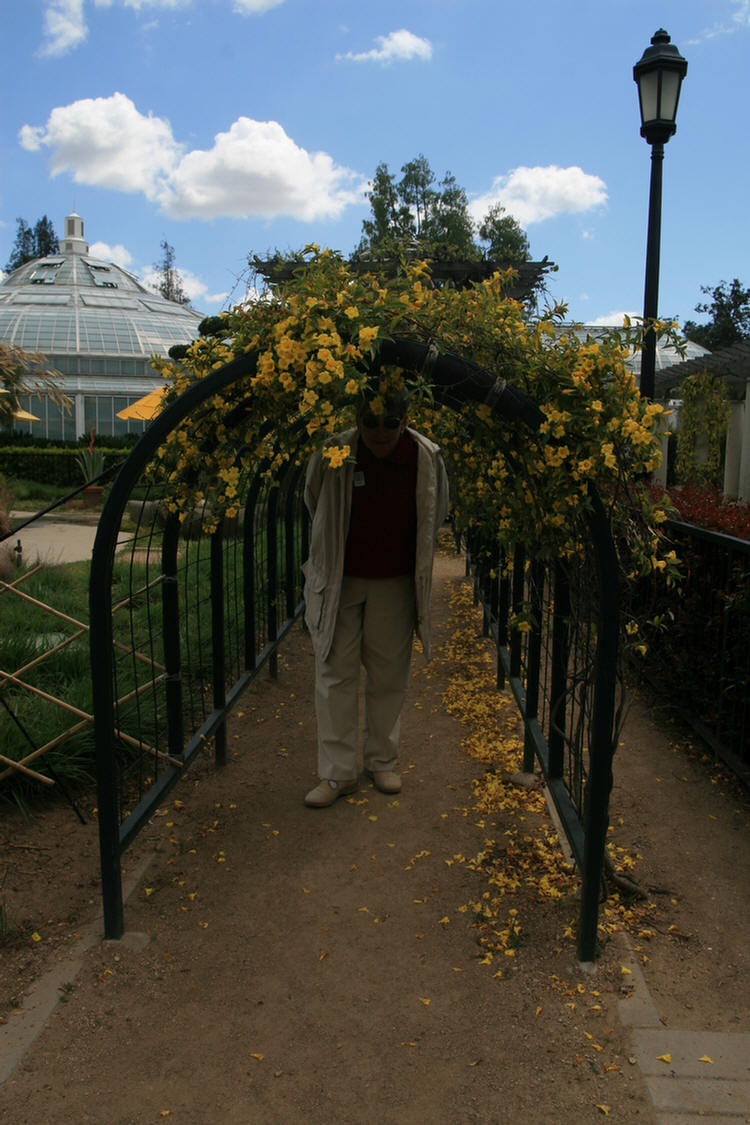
[316,340]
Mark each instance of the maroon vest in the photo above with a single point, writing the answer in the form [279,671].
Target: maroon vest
[383,526]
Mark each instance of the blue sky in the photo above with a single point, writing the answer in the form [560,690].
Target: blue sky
[231,127]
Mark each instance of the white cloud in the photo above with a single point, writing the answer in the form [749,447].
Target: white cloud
[531,195]
[255,7]
[138,4]
[740,21]
[613,319]
[107,143]
[117,254]
[398,46]
[64,27]
[256,169]
[193,288]
[253,169]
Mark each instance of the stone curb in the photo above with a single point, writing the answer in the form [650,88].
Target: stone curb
[24,1024]
[690,1076]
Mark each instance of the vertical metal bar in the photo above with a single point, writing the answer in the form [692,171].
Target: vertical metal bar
[533,662]
[171,630]
[272,576]
[249,562]
[503,611]
[101,653]
[218,640]
[559,677]
[601,749]
[518,578]
[290,580]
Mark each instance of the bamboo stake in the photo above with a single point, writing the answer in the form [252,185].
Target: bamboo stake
[143,746]
[47,608]
[21,578]
[23,769]
[50,651]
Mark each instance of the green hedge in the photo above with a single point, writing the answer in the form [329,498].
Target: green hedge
[52,465]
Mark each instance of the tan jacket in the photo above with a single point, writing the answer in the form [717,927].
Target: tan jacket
[328,496]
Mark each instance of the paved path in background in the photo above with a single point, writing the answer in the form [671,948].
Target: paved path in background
[52,542]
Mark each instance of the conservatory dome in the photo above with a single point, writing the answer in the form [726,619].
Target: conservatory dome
[97,325]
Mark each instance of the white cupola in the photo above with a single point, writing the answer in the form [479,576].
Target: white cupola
[74,242]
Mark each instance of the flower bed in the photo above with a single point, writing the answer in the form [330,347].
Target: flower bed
[707,507]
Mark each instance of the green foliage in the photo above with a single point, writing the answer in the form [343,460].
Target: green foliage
[418,215]
[90,463]
[212,326]
[39,241]
[51,465]
[704,416]
[506,238]
[30,495]
[729,312]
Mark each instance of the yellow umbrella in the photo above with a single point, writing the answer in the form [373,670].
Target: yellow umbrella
[24,416]
[145,408]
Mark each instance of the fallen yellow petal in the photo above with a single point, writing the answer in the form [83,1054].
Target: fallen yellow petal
[626,972]
[36,937]
[256,1055]
[664,1058]
[424,1000]
[705,1058]
[604,1109]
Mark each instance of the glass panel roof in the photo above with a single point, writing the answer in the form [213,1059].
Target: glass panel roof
[74,303]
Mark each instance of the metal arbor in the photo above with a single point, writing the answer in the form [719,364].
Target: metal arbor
[208,611]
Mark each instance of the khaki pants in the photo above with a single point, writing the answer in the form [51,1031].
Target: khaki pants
[374,627]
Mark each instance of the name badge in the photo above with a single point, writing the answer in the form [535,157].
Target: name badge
[359,479]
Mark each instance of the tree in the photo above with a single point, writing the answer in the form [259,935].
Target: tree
[506,238]
[169,282]
[450,228]
[729,312]
[39,241]
[390,224]
[418,213]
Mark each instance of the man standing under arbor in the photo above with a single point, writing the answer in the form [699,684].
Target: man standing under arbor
[377,495]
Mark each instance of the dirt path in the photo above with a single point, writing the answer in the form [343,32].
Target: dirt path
[324,966]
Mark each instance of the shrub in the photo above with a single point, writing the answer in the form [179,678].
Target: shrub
[49,465]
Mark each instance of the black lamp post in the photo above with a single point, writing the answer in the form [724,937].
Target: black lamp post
[659,74]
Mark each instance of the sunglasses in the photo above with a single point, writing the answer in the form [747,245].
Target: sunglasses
[373,421]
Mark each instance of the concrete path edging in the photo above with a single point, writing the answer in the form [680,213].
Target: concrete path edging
[690,1076]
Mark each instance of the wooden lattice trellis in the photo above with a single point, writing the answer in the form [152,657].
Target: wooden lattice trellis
[15,678]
